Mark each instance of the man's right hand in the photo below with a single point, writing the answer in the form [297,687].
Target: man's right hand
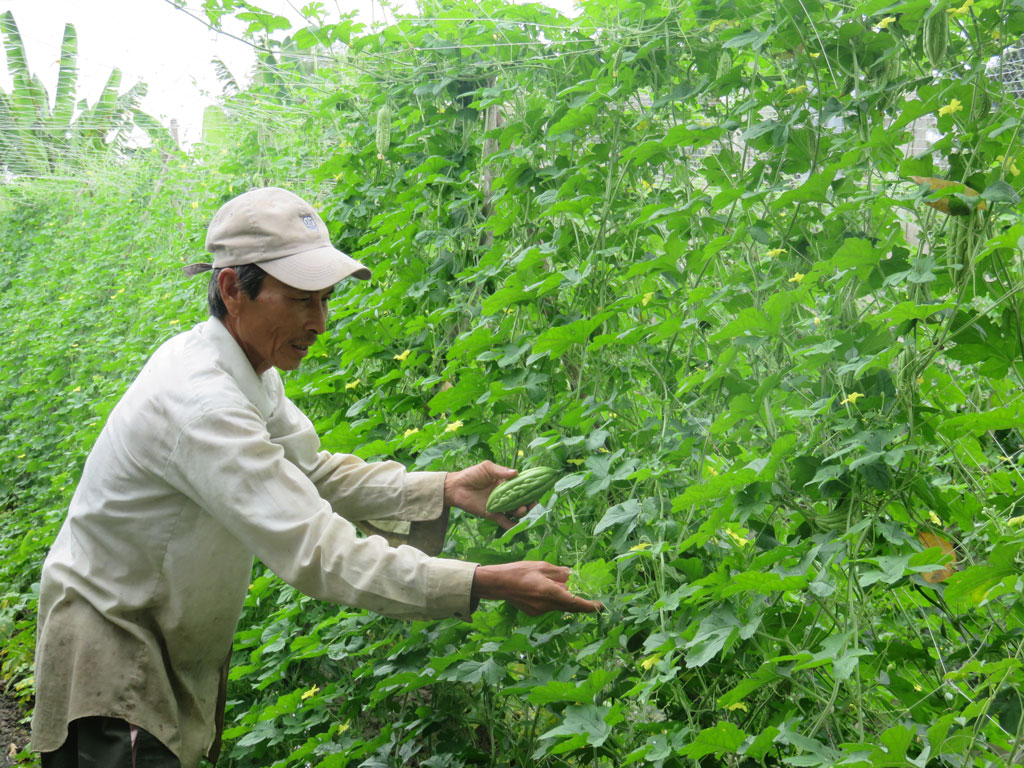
[532,586]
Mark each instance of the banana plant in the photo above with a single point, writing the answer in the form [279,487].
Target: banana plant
[35,138]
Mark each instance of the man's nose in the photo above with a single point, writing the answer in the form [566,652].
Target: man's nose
[317,320]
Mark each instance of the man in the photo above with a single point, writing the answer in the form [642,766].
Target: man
[205,463]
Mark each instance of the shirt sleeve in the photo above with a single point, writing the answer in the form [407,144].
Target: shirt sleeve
[381,498]
[226,462]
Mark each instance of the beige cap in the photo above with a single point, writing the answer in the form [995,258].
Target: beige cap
[280,232]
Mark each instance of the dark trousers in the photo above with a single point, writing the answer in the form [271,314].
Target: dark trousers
[105,742]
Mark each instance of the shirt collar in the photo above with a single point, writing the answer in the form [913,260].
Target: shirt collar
[256,388]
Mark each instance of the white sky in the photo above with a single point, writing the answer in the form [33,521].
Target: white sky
[148,40]
[152,41]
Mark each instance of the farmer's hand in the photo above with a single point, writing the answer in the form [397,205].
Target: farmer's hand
[532,586]
[469,488]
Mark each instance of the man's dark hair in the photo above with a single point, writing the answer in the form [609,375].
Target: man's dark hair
[250,279]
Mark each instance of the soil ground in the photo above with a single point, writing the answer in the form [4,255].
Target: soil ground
[12,731]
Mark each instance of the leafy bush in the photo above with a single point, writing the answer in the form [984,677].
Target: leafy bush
[677,250]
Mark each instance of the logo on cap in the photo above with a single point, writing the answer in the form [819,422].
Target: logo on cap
[309,222]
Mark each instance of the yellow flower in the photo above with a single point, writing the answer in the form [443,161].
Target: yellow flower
[311,692]
[650,661]
[952,108]
[736,537]
[738,705]
[719,23]
[77,389]
[647,298]
[852,398]
[815,55]
[797,278]
[1013,165]
[412,431]
[712,471]
[577,462]
[1012,521]
[934,518]
[886,22]
[453,426]
[817,321]
[174,322]
[641,546]
[352,384]
[963,9]
[796,89]
[401,358]
[21,455]
[775,252]
[195,204]
[519,454]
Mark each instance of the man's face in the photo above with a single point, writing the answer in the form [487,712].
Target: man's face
[279,325]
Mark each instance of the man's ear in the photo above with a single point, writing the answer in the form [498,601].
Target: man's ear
[230,291]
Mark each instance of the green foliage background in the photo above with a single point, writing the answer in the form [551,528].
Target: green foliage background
[673,248]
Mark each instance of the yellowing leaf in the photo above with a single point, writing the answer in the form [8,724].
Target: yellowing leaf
[929,540]
[944,204]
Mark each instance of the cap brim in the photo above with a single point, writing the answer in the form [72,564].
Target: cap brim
[316,269]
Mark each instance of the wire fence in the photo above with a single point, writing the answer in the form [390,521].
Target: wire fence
[1011,69]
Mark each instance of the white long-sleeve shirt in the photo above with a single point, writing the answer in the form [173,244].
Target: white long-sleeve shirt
[202,465]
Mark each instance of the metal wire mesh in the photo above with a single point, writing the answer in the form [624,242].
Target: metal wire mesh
[1011,69]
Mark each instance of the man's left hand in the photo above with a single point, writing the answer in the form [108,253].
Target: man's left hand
[469,488]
